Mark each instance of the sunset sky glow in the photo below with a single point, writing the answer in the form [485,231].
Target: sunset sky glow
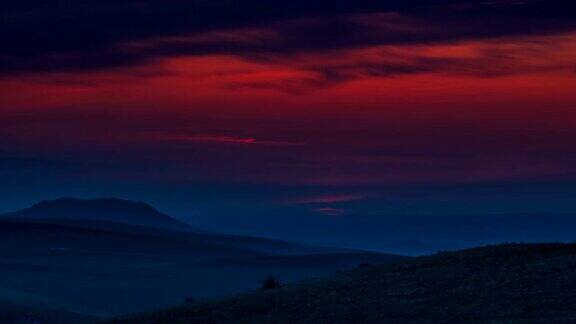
[316,108]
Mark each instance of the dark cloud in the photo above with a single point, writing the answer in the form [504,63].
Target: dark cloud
[63,35]
[48,35]
[486,59]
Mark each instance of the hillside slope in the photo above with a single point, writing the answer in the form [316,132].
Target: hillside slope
[103,269]
[512,283]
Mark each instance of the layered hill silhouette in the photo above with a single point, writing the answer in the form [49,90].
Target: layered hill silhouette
[106,257]
[512,283]
[73,221]
[101,209]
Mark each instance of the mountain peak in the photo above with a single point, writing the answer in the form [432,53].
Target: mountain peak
[101,209]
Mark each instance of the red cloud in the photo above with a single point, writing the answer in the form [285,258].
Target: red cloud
[225,139]
[212,138]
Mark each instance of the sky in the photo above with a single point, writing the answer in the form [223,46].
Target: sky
[312,120]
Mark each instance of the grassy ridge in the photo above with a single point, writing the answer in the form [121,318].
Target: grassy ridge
[512,283]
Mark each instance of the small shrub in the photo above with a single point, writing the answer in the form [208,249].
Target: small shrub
[271,283]
[364,265]
[189,300]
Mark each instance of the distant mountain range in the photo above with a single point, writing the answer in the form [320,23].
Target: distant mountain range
[105,257]
[513,283]
[426,233]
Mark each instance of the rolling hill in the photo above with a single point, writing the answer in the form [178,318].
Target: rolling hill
[101,209]
[98,267]
[512,283]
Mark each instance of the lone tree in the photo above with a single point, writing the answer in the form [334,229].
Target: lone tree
[271,283]
[364,265]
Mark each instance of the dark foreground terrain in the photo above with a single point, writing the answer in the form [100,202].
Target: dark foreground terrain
[19,314]
[65,261]
[513,283]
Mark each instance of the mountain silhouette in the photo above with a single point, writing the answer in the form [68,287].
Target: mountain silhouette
[101,209]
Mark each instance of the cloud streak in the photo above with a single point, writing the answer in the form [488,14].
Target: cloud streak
[226,139]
